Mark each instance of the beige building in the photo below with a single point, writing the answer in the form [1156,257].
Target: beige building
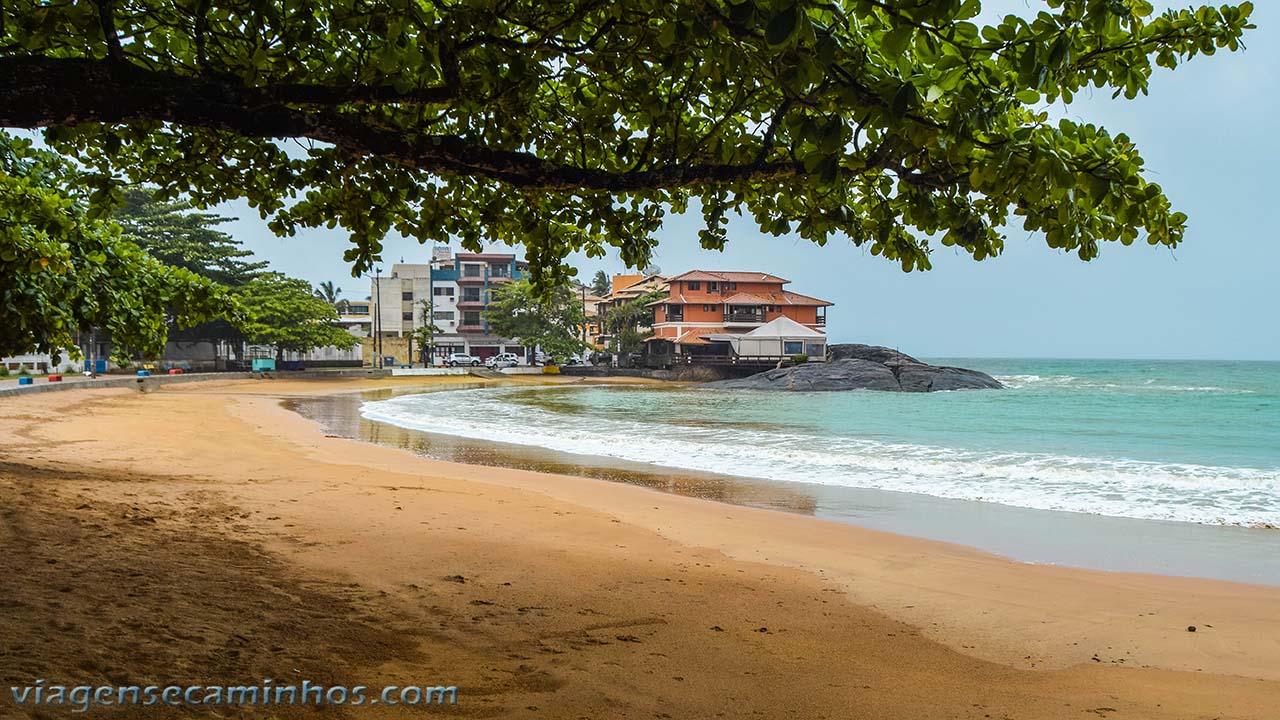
[395,310]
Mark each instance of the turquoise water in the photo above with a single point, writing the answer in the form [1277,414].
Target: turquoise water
[1194,442]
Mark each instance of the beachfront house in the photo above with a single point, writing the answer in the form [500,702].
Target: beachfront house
[624,288]
[735,318]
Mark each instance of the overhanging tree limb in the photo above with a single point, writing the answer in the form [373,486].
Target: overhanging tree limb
[576,126]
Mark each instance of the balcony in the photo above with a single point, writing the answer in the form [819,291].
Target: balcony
[821,320]
[465,279]
[497,279]
[466,328]
[471,303]
[743,317]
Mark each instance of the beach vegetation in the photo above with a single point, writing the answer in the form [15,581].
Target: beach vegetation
[65,267]
[425,334]
[551,319]
[581,126]
[332,294]
[600,284]
[179,235]
[285,312]
[799,359]
[630,322]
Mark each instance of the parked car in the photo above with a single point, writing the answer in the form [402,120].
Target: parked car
[502,360]
[461,359]
[545,359]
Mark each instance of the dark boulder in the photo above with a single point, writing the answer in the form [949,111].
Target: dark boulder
[874,353]
[874,368]
[921,377]
[835,375]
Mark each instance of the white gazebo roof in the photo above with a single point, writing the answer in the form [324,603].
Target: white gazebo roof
[783,327]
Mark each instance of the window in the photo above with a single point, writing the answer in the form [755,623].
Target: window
[443,291]
[815,350]
[470,294]
[792,347]
[731,286]
[708,308]
[442,315]
[499,271]
[407,316]
[407,296]
[471,270]
[695,285]
[471,318]
[675,312]
[711,286]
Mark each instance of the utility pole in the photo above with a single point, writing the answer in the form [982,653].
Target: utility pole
[377,317]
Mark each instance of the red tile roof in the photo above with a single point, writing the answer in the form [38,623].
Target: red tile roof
[749,299]
[693,336]
[785,297]
[715,276]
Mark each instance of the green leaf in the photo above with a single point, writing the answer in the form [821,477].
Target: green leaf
[1028,97]
[781,26]
[901,103]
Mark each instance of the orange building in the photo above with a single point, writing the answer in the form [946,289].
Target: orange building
[703,303]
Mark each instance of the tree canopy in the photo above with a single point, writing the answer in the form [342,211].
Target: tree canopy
[580,125]
[62,270]
[285,312]
[551,320]
[600,284]
[175,234]
[630,322]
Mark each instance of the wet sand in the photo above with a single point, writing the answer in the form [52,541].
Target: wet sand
[206,531]
[1037,536]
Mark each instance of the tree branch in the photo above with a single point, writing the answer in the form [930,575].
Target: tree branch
[39,92]
[106,18]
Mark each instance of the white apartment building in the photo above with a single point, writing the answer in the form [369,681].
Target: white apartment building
[459,287]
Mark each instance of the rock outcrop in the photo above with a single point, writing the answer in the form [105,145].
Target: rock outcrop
[864,367]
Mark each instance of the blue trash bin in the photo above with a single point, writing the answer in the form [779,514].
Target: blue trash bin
[26,381]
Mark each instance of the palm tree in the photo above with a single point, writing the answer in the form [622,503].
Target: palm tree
[329,293]
[600,283]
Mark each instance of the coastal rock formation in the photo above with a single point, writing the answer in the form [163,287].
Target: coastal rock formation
[864,367]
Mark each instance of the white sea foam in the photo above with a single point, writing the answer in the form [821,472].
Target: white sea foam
[1018,382]
[1116,487]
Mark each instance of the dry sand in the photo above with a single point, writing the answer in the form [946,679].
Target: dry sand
[204,534]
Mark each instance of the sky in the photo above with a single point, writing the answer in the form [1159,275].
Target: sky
[1206,131]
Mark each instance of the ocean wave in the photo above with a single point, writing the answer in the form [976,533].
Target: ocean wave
[1105,486]
[1017,382]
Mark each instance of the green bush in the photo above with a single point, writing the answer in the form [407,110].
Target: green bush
[4,371]
[800,359]
[22,369]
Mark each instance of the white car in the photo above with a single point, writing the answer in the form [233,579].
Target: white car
[502,360]
[462,359]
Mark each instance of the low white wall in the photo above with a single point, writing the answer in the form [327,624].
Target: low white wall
[401,372]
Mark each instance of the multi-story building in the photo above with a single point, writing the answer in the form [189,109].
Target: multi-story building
[356,317]
[461,287]
[455,289]
[624,289]
[707,314]
[395,297]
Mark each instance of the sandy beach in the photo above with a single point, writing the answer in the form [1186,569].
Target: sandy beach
[204,532]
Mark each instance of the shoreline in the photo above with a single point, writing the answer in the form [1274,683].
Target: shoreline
[1061,538]
[855,618]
